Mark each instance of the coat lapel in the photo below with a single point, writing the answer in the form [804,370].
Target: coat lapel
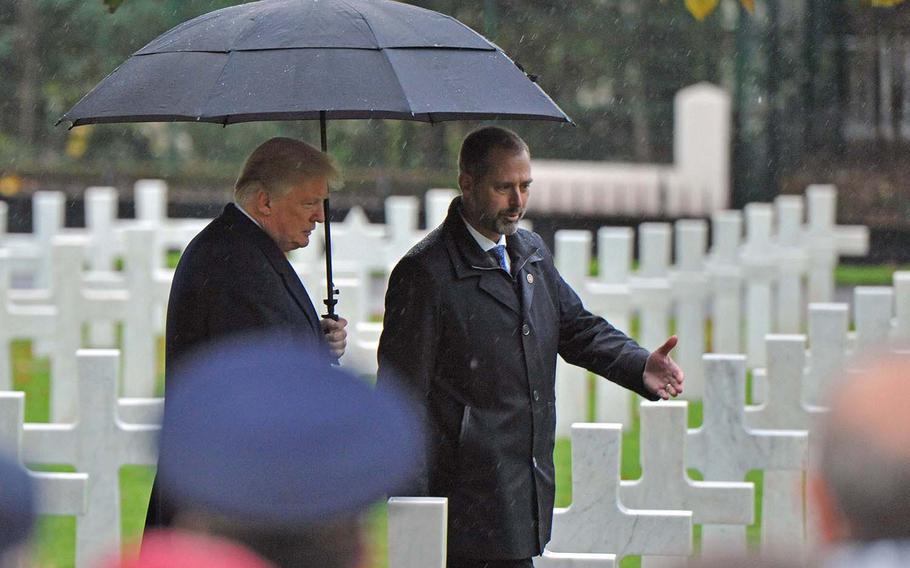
[279,262]
[524,265]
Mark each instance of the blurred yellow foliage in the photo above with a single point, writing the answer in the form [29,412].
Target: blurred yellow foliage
[701,9]
[10,185]
[77,142]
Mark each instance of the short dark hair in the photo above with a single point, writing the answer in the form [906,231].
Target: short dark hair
[476,148]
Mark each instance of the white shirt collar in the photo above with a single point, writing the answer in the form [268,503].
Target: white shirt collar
[242,210]
[485,243]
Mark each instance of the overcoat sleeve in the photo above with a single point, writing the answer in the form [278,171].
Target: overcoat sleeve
[409,342]
[590,341]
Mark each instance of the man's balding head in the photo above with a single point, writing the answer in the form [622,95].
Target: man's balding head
[863,478]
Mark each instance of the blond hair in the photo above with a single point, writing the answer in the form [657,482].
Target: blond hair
[277,164]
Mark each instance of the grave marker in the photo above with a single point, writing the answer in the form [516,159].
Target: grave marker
[596,521]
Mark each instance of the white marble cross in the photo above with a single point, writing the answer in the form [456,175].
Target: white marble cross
[783,499]
[828,350]
[572,255]
[758,258]
[97,443]
[76,305]
[873,307]
[664,483]
[34,322]
[651,284]
[596,521]
[826,241]
[610,296]
[58,493]
[726,282]
[724,448]
[793,262]
[689,283]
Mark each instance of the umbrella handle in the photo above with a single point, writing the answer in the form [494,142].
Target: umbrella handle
[331,290]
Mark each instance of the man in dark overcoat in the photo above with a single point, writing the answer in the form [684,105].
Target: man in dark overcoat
[475,316]
[235,277]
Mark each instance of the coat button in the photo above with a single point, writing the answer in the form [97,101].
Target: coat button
[530,278]
[536,395]
[526,329]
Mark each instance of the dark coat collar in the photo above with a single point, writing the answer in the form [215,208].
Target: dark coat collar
[469,260]
[237,222]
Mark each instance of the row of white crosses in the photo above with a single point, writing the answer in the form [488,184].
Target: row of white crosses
[702,286]
[104,435]
[608,519]
[132,297]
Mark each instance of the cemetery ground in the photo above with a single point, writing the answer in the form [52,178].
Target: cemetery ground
[55,540]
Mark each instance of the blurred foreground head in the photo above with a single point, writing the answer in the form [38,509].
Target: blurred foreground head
[862,483]
[265,443]
[17,511]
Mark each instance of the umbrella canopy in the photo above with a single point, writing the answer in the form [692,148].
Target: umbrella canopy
[308,59]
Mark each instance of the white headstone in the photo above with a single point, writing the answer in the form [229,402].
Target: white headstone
[100,218]
[873,308]
[828,325]
[572,255]
[19,322]
[597,521]
[792,264]
[57,493]
[689,283]
[827,241]
[724,448]
[98,444]
[651,286]
[760,269]
[664,482]
[611,297]
[417,532]
[437,206]
[726,282]
[902,307]
[701,142]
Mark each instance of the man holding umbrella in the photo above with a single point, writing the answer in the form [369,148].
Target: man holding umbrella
[475,316]
[234,276]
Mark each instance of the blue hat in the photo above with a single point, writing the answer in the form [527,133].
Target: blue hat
[17,504]
[260,429]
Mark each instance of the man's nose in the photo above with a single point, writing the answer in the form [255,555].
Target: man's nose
[515,198]
[319,213]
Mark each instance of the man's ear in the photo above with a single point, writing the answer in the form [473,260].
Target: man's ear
[262,202]
[465,182]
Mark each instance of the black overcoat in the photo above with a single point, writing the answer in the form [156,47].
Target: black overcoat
[477,349]
[232,278]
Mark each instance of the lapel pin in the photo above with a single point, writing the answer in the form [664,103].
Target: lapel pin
[530,278]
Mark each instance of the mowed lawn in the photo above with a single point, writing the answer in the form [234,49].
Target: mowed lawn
[55,539]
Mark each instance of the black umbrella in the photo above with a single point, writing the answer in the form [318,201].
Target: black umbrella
[309,59]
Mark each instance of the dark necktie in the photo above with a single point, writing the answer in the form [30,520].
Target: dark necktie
[499,251]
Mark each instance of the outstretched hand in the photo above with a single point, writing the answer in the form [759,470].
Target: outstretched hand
[663,376]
